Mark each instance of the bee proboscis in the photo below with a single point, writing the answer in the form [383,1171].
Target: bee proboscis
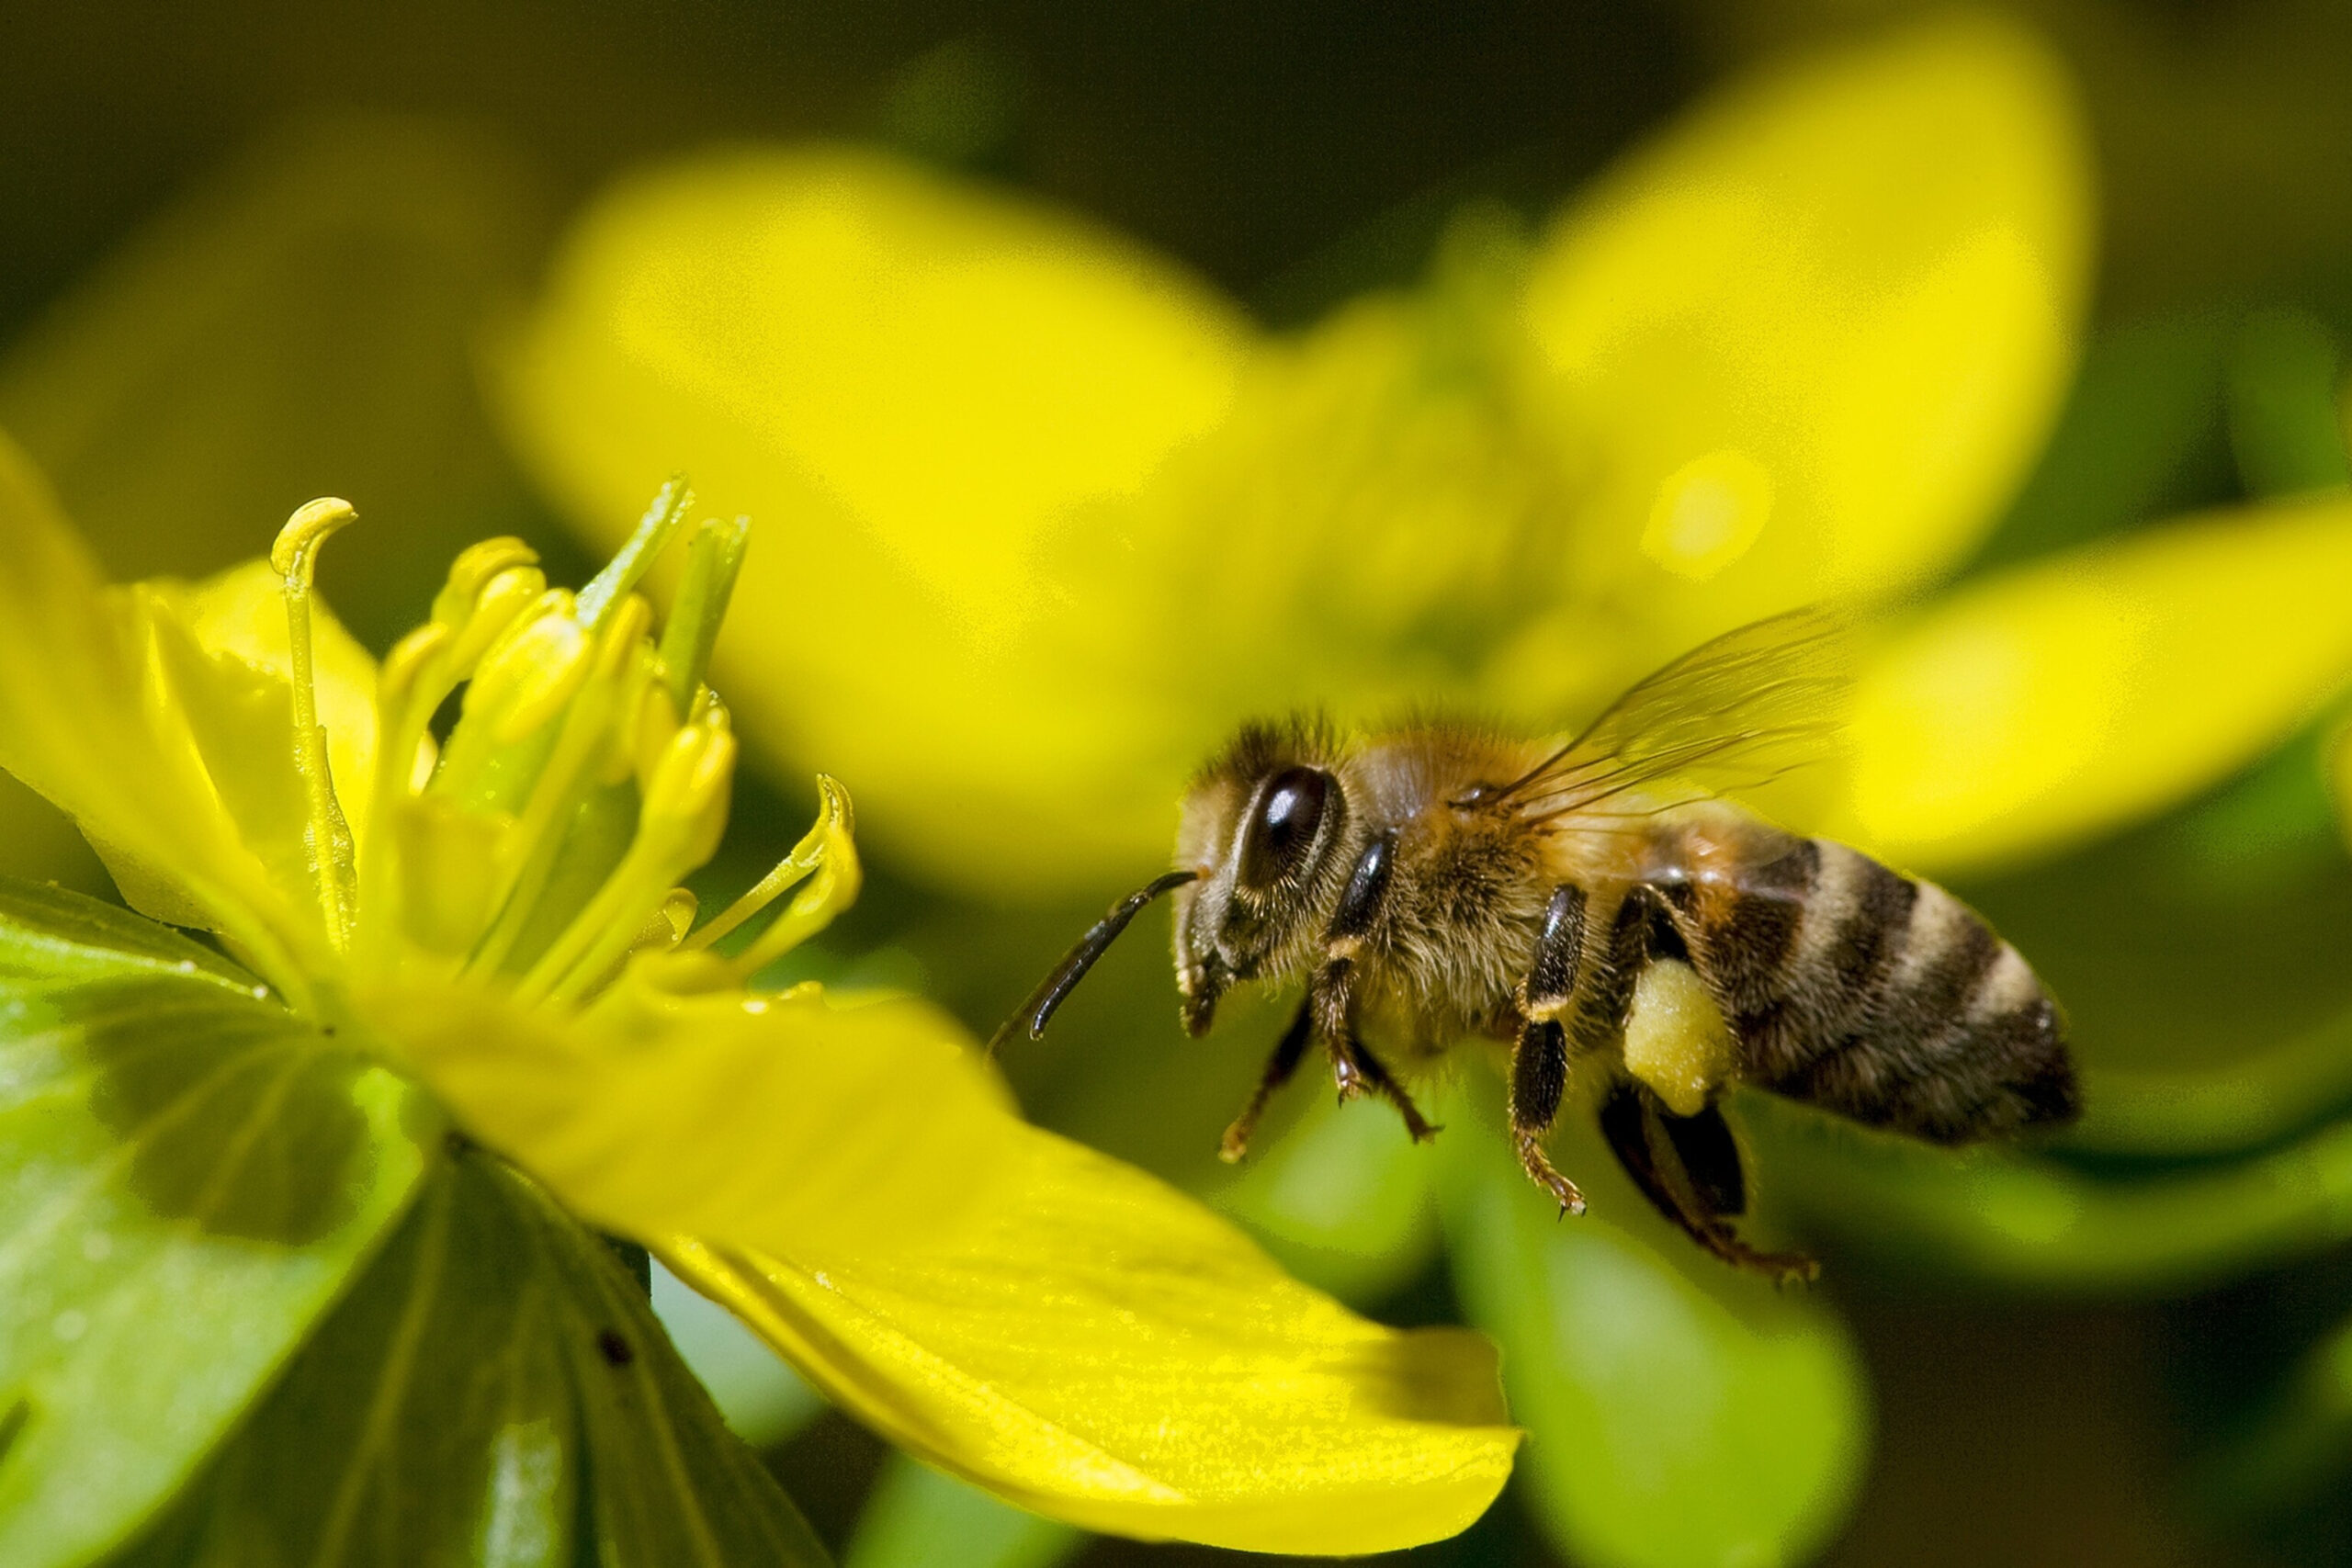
[1577,901]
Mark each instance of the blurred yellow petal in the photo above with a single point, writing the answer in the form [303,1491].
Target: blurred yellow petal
[779,1123]
[943,370]
[1107,1352]
[88,719]
[2080,693]
[921,388]
[302,320]
[1806,344]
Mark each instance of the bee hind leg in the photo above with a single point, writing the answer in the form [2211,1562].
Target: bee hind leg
[1280,1067]
[1688,1167]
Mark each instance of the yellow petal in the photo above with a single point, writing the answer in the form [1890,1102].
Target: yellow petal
[1806,344]
[2080,693]
[780,1122]
[86,720]
[239,618]
[1107,1352]
[918,389]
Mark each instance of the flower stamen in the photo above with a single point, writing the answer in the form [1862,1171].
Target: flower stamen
[827,852]
[327,835]
[679,825]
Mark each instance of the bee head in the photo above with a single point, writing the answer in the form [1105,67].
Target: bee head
[1264,825]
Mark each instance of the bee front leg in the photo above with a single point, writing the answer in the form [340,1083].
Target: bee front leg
[1332,994]
[1330,1008]
[1279,1067]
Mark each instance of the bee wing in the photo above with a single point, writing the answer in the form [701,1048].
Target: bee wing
[1730,714]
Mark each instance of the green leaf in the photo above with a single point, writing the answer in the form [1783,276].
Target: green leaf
[1342,1197]
[2294,1448]
[495,1391]
[2239,1107]
[2006,1215]
[2283,373]
[187,1175]
[917,1518]
[1677,1412]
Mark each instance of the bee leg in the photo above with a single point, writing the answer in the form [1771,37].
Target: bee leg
[1377,1075]
[1539,1066]
[1332,993]
[1538,1075]
[1710,1157]
[1288,1053]
[1330,1000]
[1659,1151]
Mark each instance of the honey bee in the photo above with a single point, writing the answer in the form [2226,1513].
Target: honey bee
[1600,908]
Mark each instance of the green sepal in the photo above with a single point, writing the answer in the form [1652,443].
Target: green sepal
[191,1174]
[494,1391]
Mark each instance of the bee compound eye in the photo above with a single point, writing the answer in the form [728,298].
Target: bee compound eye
[1290,809]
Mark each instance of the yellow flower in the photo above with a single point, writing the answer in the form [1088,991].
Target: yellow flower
[492,910]
[1080,517]
[1801,347]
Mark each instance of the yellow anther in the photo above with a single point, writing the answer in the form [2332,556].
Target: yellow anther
[304,532]
[679,823]
[622,739]
[649,735]
[632,619]
[475,567]
[693,771]
[538,667]
[495,611]
[401,668]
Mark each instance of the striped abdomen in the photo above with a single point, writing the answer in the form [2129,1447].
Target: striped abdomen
[1867,993]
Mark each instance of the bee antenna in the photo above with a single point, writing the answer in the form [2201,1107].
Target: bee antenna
[1054,988]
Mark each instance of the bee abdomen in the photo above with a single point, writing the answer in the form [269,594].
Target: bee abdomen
[1858,990]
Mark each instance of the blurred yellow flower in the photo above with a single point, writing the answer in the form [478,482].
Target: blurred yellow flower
[496,913]
[1076,517]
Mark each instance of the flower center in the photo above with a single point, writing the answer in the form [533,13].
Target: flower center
[541,841]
